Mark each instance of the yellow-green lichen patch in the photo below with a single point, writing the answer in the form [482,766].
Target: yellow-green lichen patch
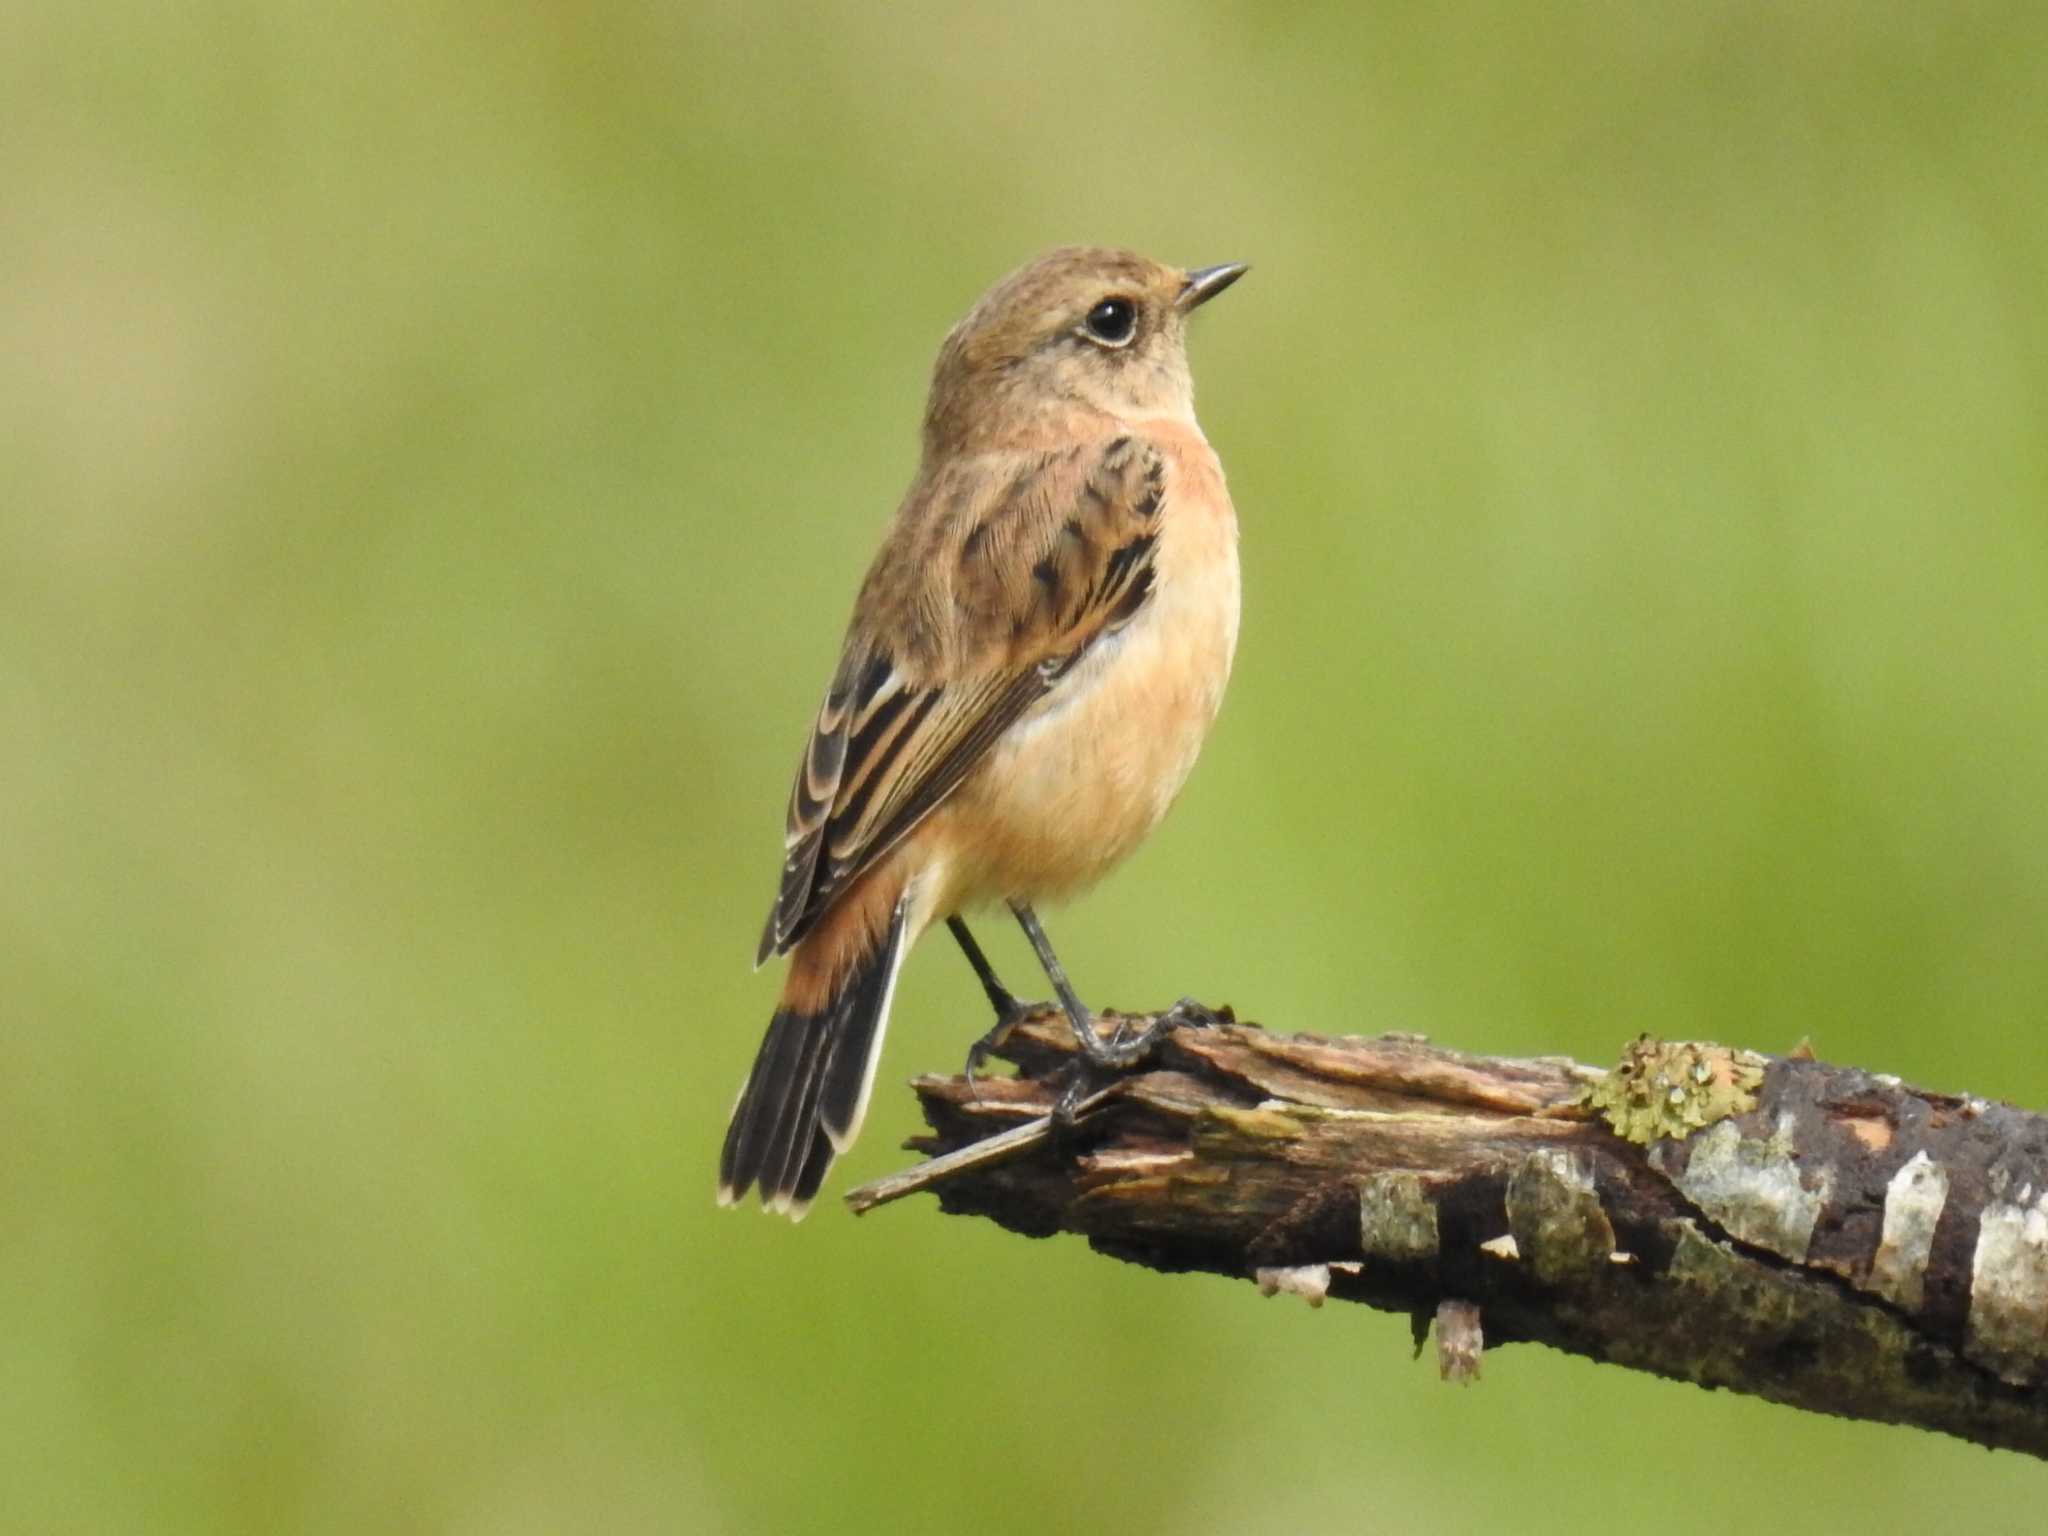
[1671,1088]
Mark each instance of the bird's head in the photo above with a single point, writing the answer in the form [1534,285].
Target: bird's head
[1080,330]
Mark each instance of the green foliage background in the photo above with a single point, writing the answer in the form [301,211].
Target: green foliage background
[439,443]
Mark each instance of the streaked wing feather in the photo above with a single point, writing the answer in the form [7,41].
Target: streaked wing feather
[1054,554]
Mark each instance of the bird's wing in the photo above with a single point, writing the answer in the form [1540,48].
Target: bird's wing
[999,574]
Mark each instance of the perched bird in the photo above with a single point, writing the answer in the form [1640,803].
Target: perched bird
[1034,660]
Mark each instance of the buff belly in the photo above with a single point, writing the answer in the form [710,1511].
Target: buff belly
[1076,785]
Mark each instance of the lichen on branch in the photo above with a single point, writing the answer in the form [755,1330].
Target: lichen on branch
[1821,1236]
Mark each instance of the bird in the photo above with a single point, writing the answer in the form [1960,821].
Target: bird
[1035,658]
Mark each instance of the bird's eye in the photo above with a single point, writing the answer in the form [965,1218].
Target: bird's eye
[1112,322]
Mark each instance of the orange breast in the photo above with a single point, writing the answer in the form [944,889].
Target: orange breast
[1077,784]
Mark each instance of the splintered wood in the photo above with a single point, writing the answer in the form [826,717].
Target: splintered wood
[1817,1235]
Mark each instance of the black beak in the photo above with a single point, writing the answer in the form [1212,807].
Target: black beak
[1204,283]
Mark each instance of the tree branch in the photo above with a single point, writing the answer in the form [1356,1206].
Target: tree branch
[1820,1236]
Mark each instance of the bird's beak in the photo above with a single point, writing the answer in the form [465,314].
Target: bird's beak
[1204,283]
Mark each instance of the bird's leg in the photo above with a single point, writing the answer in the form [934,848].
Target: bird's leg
[1000,997]
[1112,1054]
[1009,1011]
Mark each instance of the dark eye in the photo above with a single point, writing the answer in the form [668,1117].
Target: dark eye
[1112,321]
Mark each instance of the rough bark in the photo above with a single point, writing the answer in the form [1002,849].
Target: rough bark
[1821,1236]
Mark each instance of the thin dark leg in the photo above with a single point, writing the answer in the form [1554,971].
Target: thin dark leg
[1009,1011]
[1114,1054]
[1000,997]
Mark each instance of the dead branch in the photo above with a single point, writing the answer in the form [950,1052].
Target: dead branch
[1820,1236]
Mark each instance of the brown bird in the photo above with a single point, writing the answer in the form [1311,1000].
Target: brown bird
[1034,660]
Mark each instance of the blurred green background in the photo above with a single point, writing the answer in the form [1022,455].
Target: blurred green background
[440,444]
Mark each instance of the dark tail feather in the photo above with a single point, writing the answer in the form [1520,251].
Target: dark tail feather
[808,1092]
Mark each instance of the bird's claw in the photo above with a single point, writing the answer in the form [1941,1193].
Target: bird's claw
[1066,1109]
[1125,1048]
[1100,1061]
[1193,1015]
[1009,1014]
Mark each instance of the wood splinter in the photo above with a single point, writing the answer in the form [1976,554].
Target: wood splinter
[1459,1341]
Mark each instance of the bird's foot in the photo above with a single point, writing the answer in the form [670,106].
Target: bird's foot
[1009,1014]
[1126,1047]
[1193,1015]
[1078,1081]
[1100,1062]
